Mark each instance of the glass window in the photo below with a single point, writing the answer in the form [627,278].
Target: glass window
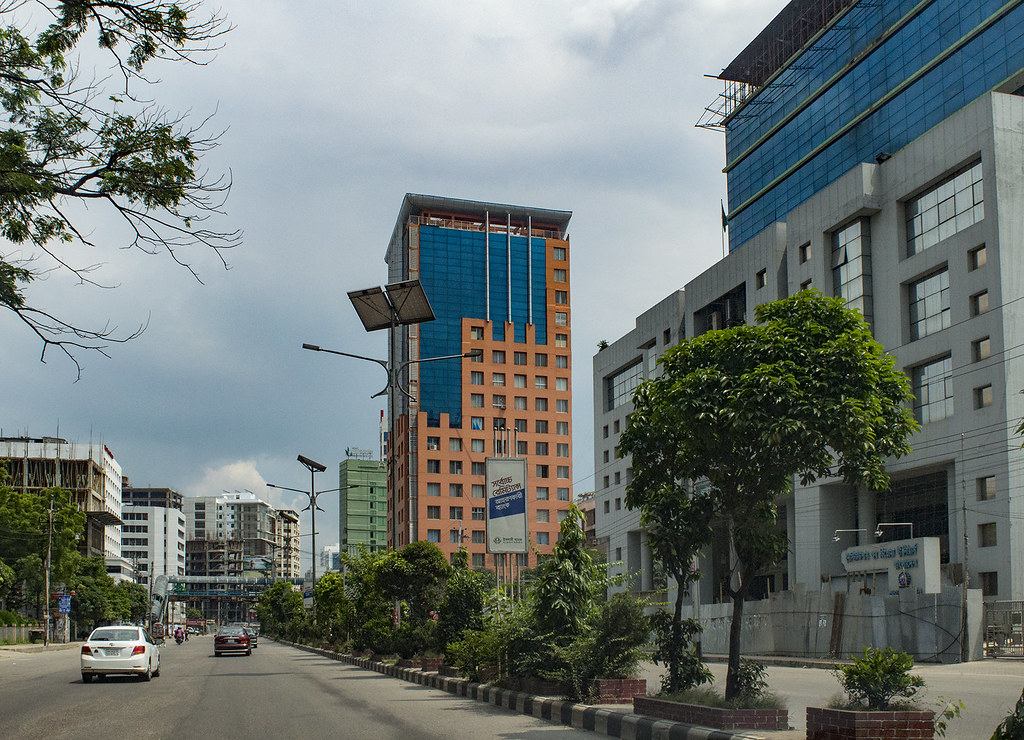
[562,471]
[620,386]
[455,444]
[542,515]
[983,397]
[563,494]
[559,275]
[498,401]
[562,405]
[455,467]
[478,488]
[477,513]
[541,426]
[561,318]
[558,253]
[476,332]
[478,559]
[521,448]
[979,303]
[981,349]
[987,534]
[433,443]
[805,252]
[433,466]
[986,487]
[519,381]
[561,297]
[477,445]
[519,358]
[433,535]
[949,207]
[433,512]
[477,358]
[561,384]
[542,471]
[929,305]
[455,513]
[562,450]
[478,468]
[498,379]
[989,583]
[562,361]
[761,279]
[562,428]
[976,258]
[455,490]
[520,425]
[561,340]
[433,489]
[932,385]
[453,537]
[542,493]
[562,513]
[479,537]
[542,538]
[540,404]
[540,360]
[541,381]
[476,400]
[520,403]
[851,266]
[541,448]
[498,357]
[476,422]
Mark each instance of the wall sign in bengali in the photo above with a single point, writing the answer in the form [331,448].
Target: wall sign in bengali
[911,564]
[507,529]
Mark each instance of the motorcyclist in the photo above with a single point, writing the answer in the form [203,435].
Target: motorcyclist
[179,635]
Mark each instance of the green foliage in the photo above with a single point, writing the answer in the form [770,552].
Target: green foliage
[950,709]
[72,141]
[709,697]
[507,644]
[280,610]
[673,648]
[752,679]
[127,602]
[806,391]
[462,605]
[878,677]
[1012,727]
[334,612]
[93,603]
[11,619]
[193,613]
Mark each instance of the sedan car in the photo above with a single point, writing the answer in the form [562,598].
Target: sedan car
[231,640]
[120,650]
[253,635]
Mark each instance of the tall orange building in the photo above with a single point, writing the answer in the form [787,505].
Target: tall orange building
[497,278]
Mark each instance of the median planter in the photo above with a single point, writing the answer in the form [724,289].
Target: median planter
[618,690]
[714,717]
[824,723]
[430,664]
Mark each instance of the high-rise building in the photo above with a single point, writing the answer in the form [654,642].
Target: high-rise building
[873,152]
[363,509]
[153,541]
[497,278]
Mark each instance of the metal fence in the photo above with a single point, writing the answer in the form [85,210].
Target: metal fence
[1004,629]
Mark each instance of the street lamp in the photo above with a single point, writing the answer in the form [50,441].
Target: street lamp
[388,307]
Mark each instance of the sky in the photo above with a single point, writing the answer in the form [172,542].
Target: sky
[330,113]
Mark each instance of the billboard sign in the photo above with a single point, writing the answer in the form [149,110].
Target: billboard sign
[910,564]
[506,505]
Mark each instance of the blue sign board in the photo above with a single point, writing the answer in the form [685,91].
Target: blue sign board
[64,604]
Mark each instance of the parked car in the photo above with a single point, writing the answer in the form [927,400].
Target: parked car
[120,650]
[231,640]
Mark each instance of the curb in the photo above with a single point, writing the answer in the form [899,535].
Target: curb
[32,648]
[610,722]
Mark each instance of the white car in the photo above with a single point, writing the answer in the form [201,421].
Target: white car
[120,650]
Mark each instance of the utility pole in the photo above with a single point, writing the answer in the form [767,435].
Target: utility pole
[46,587]
[964,637]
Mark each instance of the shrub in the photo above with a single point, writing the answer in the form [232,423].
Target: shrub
[1012,727]
[708,697]
[686,670]
[879,677]
[752,680]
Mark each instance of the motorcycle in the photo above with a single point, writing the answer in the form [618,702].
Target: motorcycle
[178,639]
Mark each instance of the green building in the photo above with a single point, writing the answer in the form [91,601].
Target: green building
[364,508]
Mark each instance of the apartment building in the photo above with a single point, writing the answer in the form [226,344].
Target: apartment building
[363,509]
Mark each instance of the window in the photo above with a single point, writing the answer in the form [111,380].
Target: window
[520,403]
[559,275]
[521,426]
[562,471]
[455,513]
[806,285]
[455,467]
[562,428]
[477,513]
[562,450]
[433,443]
[519,381]
[453,537]
[477,445]
[804,252]
[561,318]
[607,507]
[498,379]
[498,400]
[561,297]
[607,481]
[478,488]
[981,349]
[979,303]
[478,537]
[476,378]
[615,426]
[989,583]
[561,384]
[478,468]
[433,466]
[618,478]
[541,448]
[618,504]
[618,554]
[987,534]
[476,332]
[562,361]
[983,397]
[949,207]
[541,426]
[498,357]
[542,538]
[562,405]
[477,358]
[929,305]
[561,340]
[851,266]
[476,400]
[761,279]
[476,422]
[618,388]
[986,487]
[433,489]
[433,535]
[605,431]
[542,493]
[976,258]
[522,448]
[605,456]
[542,515]
[932,386]
[558,253]
[562,513]
[542,471]
[433,512]
[540,404]
[541,381]
[478,559]
[455,444]
[519,358]
[540,359]
[563,494]
[455,490]
[667,338]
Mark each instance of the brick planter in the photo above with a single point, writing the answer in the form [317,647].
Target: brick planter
[408,662]
[430,664]
[715,717]
[618,690]
[448,670]
[845,724]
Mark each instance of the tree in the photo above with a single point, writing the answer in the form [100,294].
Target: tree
[129,602]
[74,142]
[279,607]
[334,614]
[462,606]
[804,392]
[92,603]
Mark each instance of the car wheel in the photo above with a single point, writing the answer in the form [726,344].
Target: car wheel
[147,674]
[216,653]
[156,673]
[249,651]
[86,677]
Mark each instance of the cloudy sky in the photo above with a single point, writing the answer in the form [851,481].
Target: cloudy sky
[331,112]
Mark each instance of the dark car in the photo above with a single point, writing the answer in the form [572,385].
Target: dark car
[231,640]
[253,635]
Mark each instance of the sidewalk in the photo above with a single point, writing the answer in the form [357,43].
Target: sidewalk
[36,647]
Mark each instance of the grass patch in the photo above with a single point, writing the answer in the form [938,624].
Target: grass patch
[708,697]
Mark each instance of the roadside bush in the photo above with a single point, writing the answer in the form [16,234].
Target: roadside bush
[12,619]
[686,670]
[879,678]
[1012,728]
[752,680]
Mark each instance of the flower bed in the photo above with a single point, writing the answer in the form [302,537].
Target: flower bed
[716,717]
[824,723]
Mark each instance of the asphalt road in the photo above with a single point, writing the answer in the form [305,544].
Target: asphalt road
[276,692]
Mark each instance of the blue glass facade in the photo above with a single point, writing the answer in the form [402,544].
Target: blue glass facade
[453,270]
[880,77]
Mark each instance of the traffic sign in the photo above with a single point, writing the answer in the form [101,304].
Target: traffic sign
[64,604]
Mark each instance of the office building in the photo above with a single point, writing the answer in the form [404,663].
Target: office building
[363,507]
[497,277]
[153,541]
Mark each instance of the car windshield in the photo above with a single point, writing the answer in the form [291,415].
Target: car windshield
[232,631]
[115,635]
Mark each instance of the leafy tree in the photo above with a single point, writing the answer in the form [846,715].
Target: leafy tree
[462,606]
[279,608]
[73,143]
[334,612]
[806,392]
[128,602]
[92,603]
[567,584]
[193,613]
[373,609]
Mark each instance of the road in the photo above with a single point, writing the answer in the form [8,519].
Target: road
[276,692]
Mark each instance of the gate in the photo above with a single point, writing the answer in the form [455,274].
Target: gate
[1004,629]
